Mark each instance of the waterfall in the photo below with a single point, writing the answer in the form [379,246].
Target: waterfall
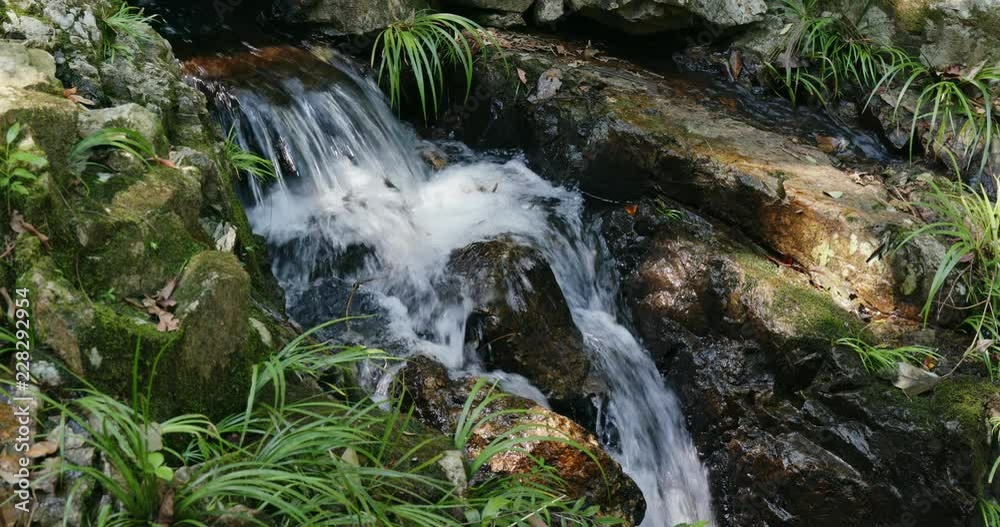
[356,212]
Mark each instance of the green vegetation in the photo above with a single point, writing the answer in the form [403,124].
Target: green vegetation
[120,139]
[955,106]
[125,21]
[824,51]
[425,44]
[17,166]
[882,358]
[244,161]
[968,221]
[326,459]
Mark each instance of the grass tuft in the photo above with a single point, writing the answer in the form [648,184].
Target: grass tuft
[122,22]
[424,45]
[244,161]
[881,358]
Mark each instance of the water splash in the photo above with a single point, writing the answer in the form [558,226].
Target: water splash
[355,204]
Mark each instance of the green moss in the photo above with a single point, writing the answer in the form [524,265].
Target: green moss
[911,14]
[961,400]
[812,314]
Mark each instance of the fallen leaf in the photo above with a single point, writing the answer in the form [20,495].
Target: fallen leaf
[831,145]
[42,449]
[736,63]
[561,50]
[913,380]
[20,226]
[168,290]
[835,194]
[631,209]
[70,93]
[167,163]
[523,76]
[930,362]
[786,29]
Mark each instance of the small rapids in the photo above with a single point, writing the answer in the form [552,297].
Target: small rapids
[357,218]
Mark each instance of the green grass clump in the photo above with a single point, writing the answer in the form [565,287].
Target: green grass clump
[327,459]
[120,139]
[17,166]
[244,161]
[424,45]
[967,220]
[957,108]
[125,21]
[881,358]
[825,51]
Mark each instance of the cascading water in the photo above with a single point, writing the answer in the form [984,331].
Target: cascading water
[356,211]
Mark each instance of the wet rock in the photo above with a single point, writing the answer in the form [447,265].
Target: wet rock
[438,400]
[700,277]
[348,16]
[847,442]
[793,431]
[642,17]
[621,133]
[436,158]
[522,323]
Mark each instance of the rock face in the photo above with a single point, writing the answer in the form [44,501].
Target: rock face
[949,32]
[118,239]
[625,134]
[522,323]
[793,431]
[438,402]
[352,17]
[640,17]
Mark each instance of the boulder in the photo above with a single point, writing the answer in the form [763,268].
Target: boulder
[643,17]
[131,116]
[438,401]
[521,322]
[23,67]
[793,430]
[620,132]
[506,6]
[548,11]
[348,16]
[946,32]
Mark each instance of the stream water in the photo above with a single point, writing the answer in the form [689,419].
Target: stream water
[356,216]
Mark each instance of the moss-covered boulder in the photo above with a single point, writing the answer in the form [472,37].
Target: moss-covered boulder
[23,67]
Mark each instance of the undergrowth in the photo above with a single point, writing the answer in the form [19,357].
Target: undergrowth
[18,166]
[826,52]
[882,358]
[328,459]
[124,21]
[426,45]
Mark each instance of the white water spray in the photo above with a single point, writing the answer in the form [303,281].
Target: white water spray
[350,179]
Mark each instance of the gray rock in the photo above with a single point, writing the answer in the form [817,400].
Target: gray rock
[547,11]
[129,115]
[499,19]
[641,17]
[21,67]
[348,16]
[509,6]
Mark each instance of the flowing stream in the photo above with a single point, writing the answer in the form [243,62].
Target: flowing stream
[356,216]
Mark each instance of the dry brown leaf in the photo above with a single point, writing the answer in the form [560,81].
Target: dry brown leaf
[523,76]
[42,449]
[736,63]
[70,93]
[20,226]
[165,516]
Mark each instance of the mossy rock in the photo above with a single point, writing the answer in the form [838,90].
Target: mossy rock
[50,120]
